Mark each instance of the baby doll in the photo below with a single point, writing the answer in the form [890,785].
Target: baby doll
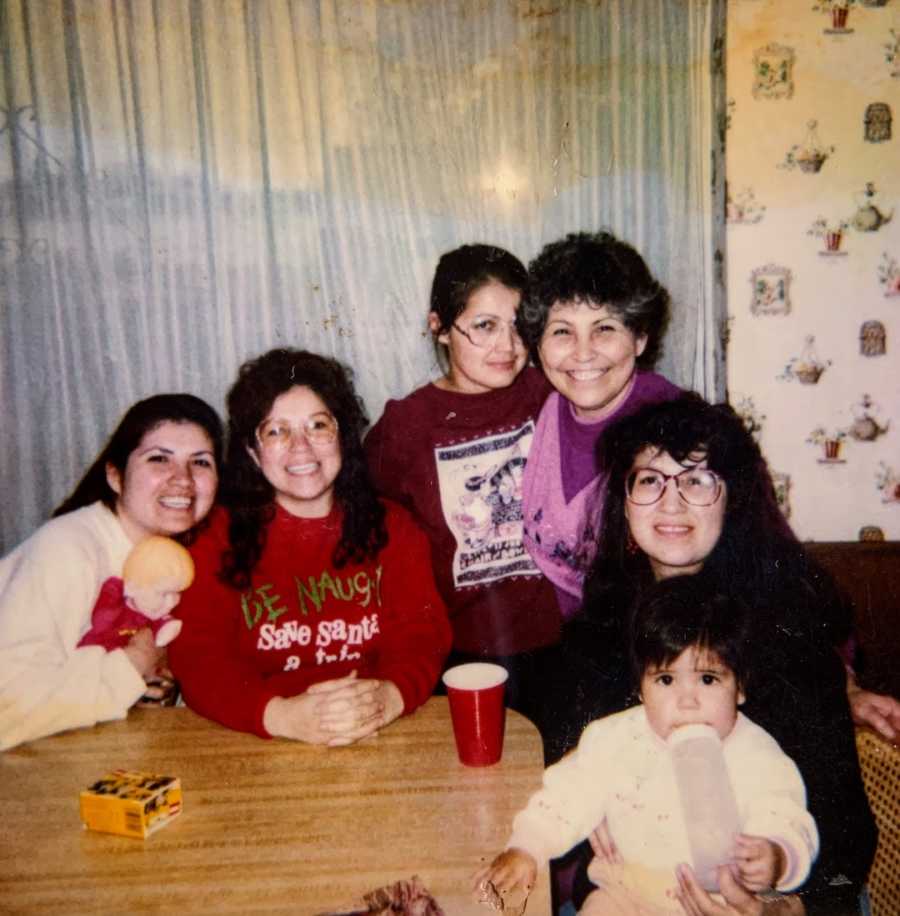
[155,574]
[687,655]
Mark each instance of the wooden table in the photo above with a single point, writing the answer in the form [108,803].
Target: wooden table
[267,825]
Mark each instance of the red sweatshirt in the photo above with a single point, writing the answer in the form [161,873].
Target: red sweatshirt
[303,621]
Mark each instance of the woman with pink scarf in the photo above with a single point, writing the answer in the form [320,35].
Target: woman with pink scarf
[593,320]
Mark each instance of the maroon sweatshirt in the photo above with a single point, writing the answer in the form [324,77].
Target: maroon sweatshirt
[456,462]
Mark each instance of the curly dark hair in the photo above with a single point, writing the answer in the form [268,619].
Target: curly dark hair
[757,555]
[138,420]
[248,494]
[600,270]
[461,272]
[683,612]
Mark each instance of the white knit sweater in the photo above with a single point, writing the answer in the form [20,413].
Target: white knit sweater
[48,586]
[621,770]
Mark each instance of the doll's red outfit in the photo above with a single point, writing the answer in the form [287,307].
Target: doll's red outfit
[302,620]
[113,622]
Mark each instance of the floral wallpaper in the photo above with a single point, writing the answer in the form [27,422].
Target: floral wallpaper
[813,257]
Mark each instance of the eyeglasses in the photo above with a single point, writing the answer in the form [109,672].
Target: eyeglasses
[696,486]
[319,429]
[483,332]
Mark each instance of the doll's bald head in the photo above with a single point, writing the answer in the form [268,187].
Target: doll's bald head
[155,574]
[157,559]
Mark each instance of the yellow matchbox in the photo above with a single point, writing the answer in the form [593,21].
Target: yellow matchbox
[131,803]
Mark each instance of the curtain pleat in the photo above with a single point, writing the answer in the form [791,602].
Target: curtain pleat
[187,183]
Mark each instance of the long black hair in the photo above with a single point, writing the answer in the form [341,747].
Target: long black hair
[138,420]
[247,493]
[757,555]
[796,686]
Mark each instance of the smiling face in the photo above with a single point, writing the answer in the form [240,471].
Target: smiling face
[478,369]
[694,689]
[169,481]
[588,355]
[676,536]
[301,472]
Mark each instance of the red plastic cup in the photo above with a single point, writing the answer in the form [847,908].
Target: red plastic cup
[476,693]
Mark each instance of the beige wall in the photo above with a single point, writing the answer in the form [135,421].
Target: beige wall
[783,284]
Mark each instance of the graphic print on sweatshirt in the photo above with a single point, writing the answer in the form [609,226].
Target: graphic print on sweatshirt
[481,496]
[320,620]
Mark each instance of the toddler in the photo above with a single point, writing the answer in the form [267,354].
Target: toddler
[687,653]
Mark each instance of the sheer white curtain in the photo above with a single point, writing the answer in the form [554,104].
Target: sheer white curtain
[186,183]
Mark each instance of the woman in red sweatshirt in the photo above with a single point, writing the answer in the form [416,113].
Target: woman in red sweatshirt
[313,614]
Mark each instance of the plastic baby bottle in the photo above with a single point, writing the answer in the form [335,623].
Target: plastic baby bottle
[707,799]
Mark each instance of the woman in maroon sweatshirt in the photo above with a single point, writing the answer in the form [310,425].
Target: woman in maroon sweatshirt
[314,614]
[453,452]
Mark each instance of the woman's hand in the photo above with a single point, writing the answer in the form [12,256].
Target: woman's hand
[604,847]
[353,709]
[335,712]
[738,900]
[695,901]
[143,652]
[161,687]
[877,711]
[296,718]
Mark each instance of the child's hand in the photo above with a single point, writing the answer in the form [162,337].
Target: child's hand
[512,870]
[760,862]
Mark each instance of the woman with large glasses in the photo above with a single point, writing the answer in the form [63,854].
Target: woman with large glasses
[313,614]
[454,452]
[157,475]
[689,494]
[594,320]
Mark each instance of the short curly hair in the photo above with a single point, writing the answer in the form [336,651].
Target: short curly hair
[600,270]
[248,494]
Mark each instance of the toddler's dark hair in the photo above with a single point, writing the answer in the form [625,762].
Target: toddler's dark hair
[684,611]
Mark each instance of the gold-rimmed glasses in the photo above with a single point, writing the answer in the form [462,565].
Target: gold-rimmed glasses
[276,433]
[484,331]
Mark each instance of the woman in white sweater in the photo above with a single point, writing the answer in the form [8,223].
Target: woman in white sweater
[157,475]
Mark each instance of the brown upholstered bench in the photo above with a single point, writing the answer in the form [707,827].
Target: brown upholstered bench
[868,572]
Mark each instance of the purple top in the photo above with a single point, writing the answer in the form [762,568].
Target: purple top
[578,444]
[578,439]
[562,516]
